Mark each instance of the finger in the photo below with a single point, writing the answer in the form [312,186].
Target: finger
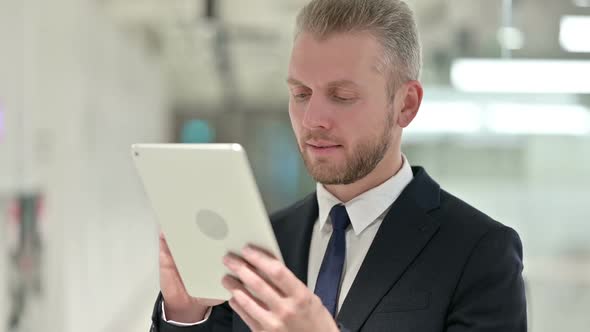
[251,307]
[166,259]
[163,244]
[170,281]
[232,284]
[280,276]
[254,282]
[252,324]
[235,286]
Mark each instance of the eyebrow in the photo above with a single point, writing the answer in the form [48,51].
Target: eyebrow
[333,84]
[342,83]
[292,81]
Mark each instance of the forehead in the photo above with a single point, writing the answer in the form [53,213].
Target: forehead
[338,57]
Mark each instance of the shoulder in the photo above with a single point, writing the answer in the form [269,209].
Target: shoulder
[488,263]
[470,225]
[456,213]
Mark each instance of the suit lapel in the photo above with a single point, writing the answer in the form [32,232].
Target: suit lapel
[293,230]
[405,231]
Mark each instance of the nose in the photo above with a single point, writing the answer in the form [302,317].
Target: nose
[316,114]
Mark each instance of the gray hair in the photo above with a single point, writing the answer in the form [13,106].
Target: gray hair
[391,22]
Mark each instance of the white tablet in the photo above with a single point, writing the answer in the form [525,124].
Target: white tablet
[207,203]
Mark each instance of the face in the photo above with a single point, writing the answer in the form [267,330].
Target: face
[341,112]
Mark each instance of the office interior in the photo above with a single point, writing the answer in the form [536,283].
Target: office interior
[505,125]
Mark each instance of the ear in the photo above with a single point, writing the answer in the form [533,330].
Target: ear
[410,96]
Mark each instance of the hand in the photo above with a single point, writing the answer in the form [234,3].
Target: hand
[282,302]
[179,305]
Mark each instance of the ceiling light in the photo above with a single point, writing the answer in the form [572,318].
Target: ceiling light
[472,117]
[505,118]
[574,34]
[521,76]
[447,117]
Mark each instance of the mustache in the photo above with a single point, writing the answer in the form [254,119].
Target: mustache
[318,135]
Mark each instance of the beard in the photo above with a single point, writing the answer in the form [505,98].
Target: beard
[359,162]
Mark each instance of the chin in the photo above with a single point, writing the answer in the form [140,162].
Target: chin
[325,174]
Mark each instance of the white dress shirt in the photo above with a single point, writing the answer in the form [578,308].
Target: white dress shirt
[366,213]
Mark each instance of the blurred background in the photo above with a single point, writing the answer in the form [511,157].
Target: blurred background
[505,125]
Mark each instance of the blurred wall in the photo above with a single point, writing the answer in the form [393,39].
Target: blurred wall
[3,282]
[76,95]
[11,98]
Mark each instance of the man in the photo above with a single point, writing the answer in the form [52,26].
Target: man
[379,246]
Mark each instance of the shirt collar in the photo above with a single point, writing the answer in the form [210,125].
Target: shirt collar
[364,209]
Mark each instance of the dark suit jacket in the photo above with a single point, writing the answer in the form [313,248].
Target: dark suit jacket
[436,264]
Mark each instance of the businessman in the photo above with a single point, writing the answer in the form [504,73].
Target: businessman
[379,246]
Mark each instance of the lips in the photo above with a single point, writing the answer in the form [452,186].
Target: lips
[321,144]
[322,149]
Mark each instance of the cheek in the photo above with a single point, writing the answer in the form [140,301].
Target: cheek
[365,122]
[295,117]
[360,120]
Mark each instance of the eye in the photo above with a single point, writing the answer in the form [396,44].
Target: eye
[301,96]
[341,99]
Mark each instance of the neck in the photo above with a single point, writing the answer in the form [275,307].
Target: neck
[387,167]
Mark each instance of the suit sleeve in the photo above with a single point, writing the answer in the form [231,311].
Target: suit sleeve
[220,320]
[490,296]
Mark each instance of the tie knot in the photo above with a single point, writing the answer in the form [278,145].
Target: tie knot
[339,216]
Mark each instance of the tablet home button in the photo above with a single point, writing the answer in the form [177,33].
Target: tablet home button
[212,224]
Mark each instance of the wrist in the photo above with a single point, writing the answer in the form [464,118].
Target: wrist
[188,314]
